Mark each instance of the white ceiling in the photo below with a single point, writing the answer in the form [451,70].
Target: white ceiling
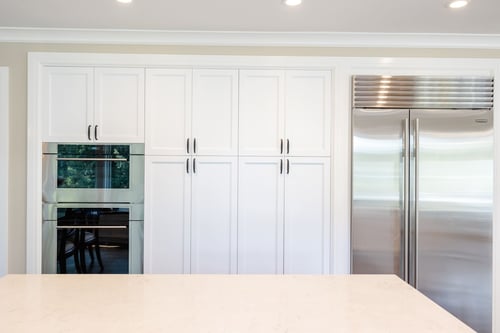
[372,16]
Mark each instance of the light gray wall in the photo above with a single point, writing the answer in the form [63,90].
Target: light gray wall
[14,55]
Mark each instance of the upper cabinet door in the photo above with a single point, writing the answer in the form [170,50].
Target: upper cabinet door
[119,105]
[168,111]
[67,104]
[215,112]
[261,129]
[308,107]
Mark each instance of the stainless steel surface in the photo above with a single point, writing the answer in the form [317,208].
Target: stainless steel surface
[52,193]
[378,191]
[51,147]
[135,226]
[454,198]
[406,198]
[446,210]
[419,92]
[49,210]
[93,227]
[91,159]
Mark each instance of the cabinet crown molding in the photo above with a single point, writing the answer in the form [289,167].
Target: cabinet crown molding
[249,38]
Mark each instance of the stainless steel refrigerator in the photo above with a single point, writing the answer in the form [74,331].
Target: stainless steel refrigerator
[422,187]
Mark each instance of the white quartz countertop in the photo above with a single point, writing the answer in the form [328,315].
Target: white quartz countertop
[218,303]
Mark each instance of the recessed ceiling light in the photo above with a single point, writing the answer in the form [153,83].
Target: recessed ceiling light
[124,1]
[292,2]
[458,3]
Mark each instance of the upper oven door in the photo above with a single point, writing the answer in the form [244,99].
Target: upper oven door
[93,173]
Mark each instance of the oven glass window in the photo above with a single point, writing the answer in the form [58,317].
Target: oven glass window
[93,166]
[93,240]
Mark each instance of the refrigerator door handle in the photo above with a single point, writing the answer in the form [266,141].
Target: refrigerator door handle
[416,144]
[406,201]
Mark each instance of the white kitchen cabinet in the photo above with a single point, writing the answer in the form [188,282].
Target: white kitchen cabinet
[83,104]
[214,215]
[260,215]
[262,112]
[284,215]
[307,215]
[190,214]
[285,112]
[119,105]
[168,111]
[192,112]
[167,215]
[67,97]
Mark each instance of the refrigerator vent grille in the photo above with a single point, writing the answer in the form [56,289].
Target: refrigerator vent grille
[423,92]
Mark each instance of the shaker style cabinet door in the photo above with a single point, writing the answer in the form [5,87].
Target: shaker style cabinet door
[214,214]
[67,104]
[167,211]
[215,112]
[262,112]
[119,105]
[307,215]
[260,215]
[168,111]
[308,108]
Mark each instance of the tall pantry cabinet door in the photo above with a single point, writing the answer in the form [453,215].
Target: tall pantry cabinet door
[260,215]
[167,207]
[214,215]
[168,111]
[119,105]
[307,215]
[308,108]
[67,103]
[215,112]
[262,112]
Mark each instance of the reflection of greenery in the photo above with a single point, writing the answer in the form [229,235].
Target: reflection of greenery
[93,174]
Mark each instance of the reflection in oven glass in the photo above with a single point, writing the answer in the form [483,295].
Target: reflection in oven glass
[93,240]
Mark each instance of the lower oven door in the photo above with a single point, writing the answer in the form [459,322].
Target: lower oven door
[92,238]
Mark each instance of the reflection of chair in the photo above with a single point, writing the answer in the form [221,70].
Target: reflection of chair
[67,248]
[89,240]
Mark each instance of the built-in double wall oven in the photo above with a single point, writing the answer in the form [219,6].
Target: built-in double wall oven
[93,208]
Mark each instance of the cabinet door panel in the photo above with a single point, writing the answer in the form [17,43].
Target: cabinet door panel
[119,111]
[308,108]
[261,126]
[167,215]
[215,112]
[213,223]
[260,215]
[168,111]
[67,103]
[307,216]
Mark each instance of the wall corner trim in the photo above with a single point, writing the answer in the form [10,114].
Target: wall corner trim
[4,170]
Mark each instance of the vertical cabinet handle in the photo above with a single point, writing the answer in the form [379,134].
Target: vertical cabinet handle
[194,165]
[281,166]
[287,146]
[187,146]
[281,147]
[95,133]
[287,166]
[187,165]
[88,132]
[194,145]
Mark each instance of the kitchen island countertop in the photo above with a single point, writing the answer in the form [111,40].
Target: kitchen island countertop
[218,303]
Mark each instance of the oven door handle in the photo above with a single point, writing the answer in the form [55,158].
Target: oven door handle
[91,159]
[91,227]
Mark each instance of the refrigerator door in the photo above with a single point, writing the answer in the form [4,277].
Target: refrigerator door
[452,199]
[379,138]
